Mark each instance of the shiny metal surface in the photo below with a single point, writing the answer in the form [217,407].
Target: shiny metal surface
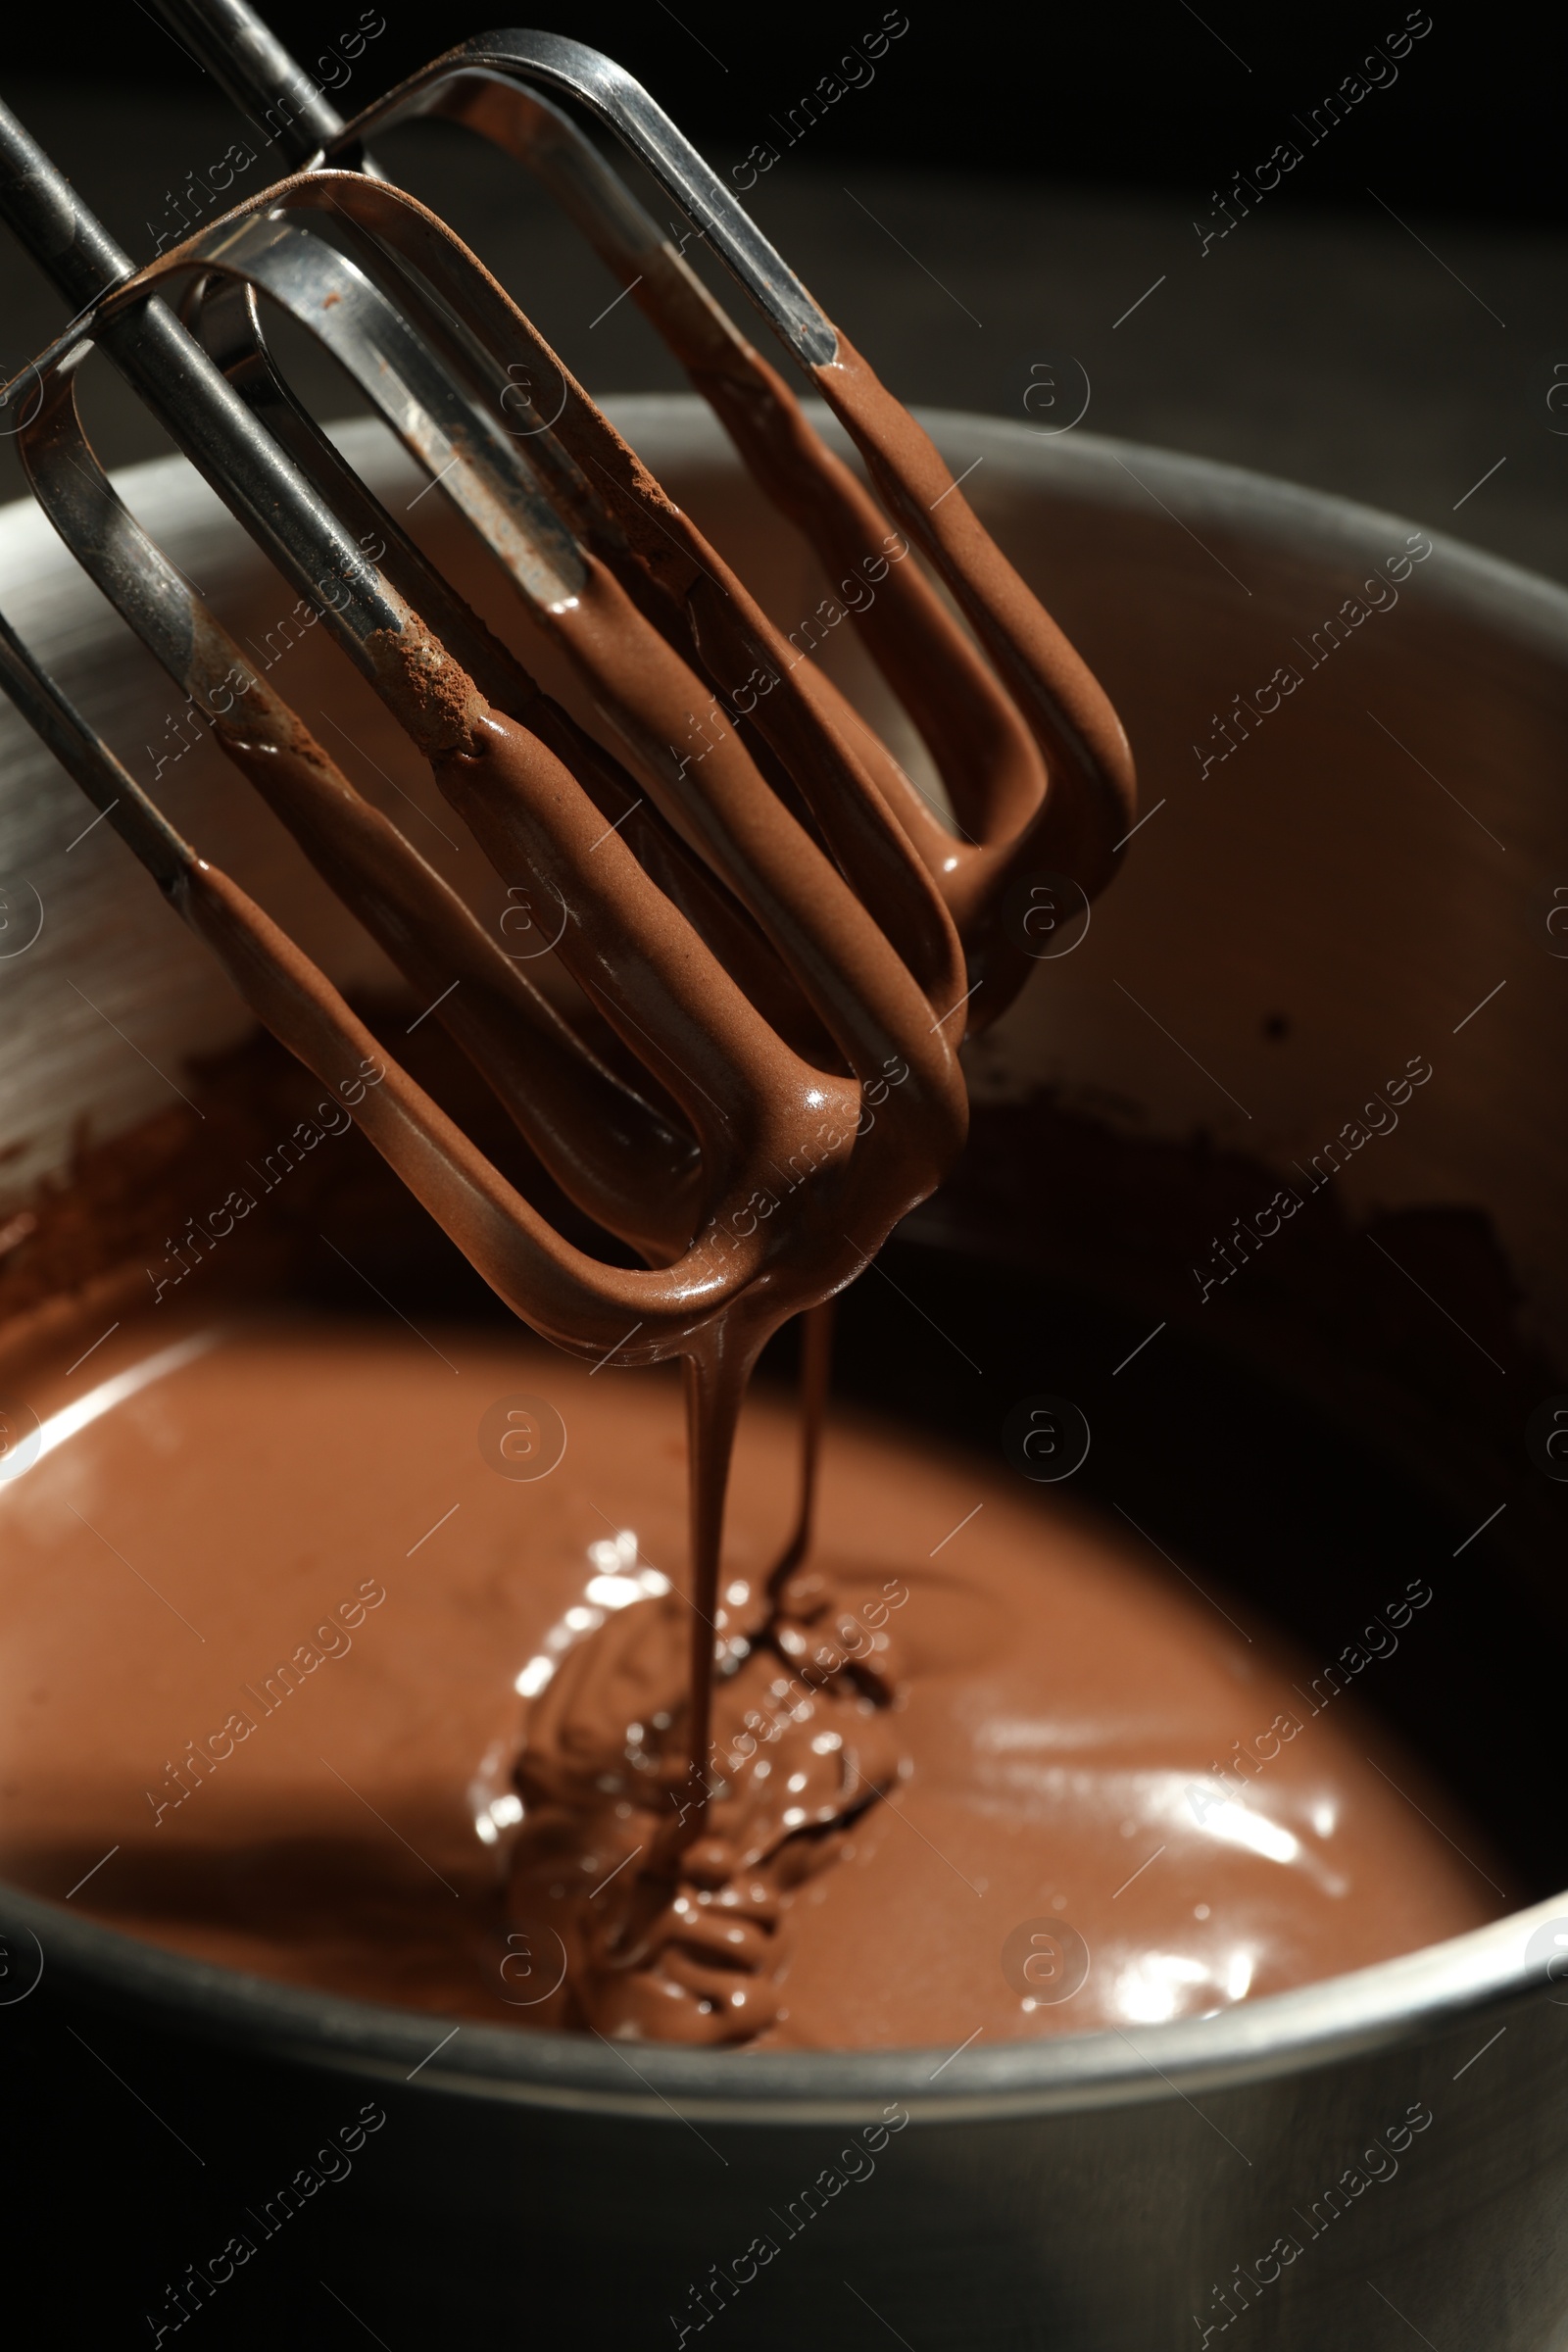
[609,91]
[165,364]
[1382,860]
[246,59]
[487,82]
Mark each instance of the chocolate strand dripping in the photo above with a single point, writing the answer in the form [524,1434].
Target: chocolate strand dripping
[817,1373]
[715,1391]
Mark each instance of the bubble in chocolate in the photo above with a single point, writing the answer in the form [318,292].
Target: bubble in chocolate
[1557,921]
[1045,914]
[21,917]
[1047,1437]
[522,1436]
[20,1437]
[1547,1955]
[533,1966]
[20,1969]
[1546,1437]
[1045,1961]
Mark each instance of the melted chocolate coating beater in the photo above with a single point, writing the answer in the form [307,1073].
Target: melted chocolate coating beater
[769,926]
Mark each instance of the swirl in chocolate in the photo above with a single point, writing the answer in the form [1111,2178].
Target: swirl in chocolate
[667,1935]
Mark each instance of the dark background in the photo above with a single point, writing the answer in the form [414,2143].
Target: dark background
[1156,96]
[1385,324]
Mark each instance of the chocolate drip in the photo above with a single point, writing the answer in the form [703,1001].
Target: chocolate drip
[783,1692]
[670,1819]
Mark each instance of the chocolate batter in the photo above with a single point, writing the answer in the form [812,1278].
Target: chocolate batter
[313,1685]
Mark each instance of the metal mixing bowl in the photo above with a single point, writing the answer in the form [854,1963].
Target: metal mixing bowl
[1378,857]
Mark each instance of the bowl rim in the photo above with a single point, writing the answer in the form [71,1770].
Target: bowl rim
[1416,1996]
